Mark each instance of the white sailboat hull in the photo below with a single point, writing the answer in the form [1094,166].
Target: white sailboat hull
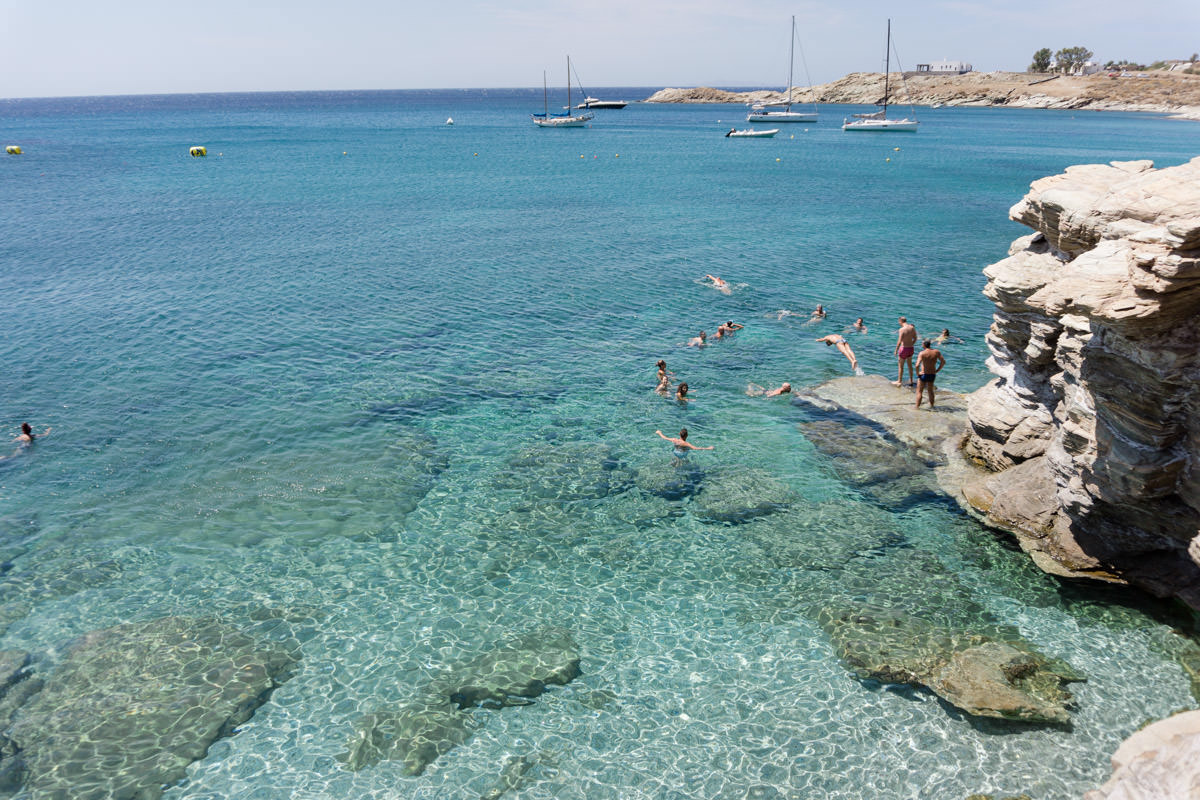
[751,133]
[880,125]
[578,121]
[780,116]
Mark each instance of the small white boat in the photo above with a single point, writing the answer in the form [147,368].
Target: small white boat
[751,133]
[592,102]
[865,123]
[449,120]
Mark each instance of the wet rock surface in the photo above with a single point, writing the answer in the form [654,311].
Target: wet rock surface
[439,718]
[869,459]
[131,706]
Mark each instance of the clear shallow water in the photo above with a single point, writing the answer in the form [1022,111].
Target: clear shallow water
[240,356]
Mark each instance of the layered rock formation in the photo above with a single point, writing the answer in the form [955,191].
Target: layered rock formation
[1092,426]
[1173,93]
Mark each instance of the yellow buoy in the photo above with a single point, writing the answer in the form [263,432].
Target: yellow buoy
[13,150]
[887,159]
[896,149]
[777,159]
[198,151]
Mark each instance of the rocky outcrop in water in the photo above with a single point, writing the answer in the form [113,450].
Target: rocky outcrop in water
[1159,762]
[437,720]
[732,494]
[1162,92]
[133,705]
[1092,426]
[976,673]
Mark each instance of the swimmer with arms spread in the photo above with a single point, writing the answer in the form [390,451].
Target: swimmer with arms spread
[682,445]
[906,338]
[840,341]
[24,440]
[929,364]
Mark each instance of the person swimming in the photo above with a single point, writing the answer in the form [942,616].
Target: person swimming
[945,338]
[682,445]
[718,284]
[819,313]
[699,341]
[681,394]
[840,341]
[754,390]
[860,326]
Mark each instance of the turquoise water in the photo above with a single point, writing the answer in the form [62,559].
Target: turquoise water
[300,375]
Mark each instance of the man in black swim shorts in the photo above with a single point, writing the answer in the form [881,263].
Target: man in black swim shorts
[929,364]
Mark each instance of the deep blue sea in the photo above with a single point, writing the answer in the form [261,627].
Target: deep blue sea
[376,373]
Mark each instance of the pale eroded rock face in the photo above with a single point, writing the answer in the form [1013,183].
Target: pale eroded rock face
[1093,420]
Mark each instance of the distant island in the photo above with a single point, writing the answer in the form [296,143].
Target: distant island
[1172,93]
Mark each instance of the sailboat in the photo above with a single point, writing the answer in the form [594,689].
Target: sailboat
[878,120]
[567,120]
[766,112]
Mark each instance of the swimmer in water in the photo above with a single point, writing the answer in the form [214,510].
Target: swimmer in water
[840,341]
[681,394]
[860,326]
[732,326]
[682,446]
[819,313]
[24,440]
[662,370]
[754,390]
[945,338]
[699,341]
[718,284]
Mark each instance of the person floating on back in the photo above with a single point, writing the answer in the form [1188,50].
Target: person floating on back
[906,338]
[929,364]
[754,390]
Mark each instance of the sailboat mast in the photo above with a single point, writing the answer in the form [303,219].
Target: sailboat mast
[791,61]
[887,66]
[545,97]
[568,84]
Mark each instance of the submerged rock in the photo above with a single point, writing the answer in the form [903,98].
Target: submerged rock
[736,494]
[437,721]
[869,459]
[981,676]
[565,471]
[132,706]
[669,481]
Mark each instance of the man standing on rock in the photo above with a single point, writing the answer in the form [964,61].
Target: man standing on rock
[906,339]
[929,364]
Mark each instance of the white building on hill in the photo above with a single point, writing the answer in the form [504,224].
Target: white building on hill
[945,67]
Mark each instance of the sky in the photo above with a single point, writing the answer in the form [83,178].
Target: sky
[54,48]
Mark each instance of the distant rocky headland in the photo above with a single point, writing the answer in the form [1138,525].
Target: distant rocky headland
[1161,92]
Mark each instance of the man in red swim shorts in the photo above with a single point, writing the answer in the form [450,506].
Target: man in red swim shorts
[906,338]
